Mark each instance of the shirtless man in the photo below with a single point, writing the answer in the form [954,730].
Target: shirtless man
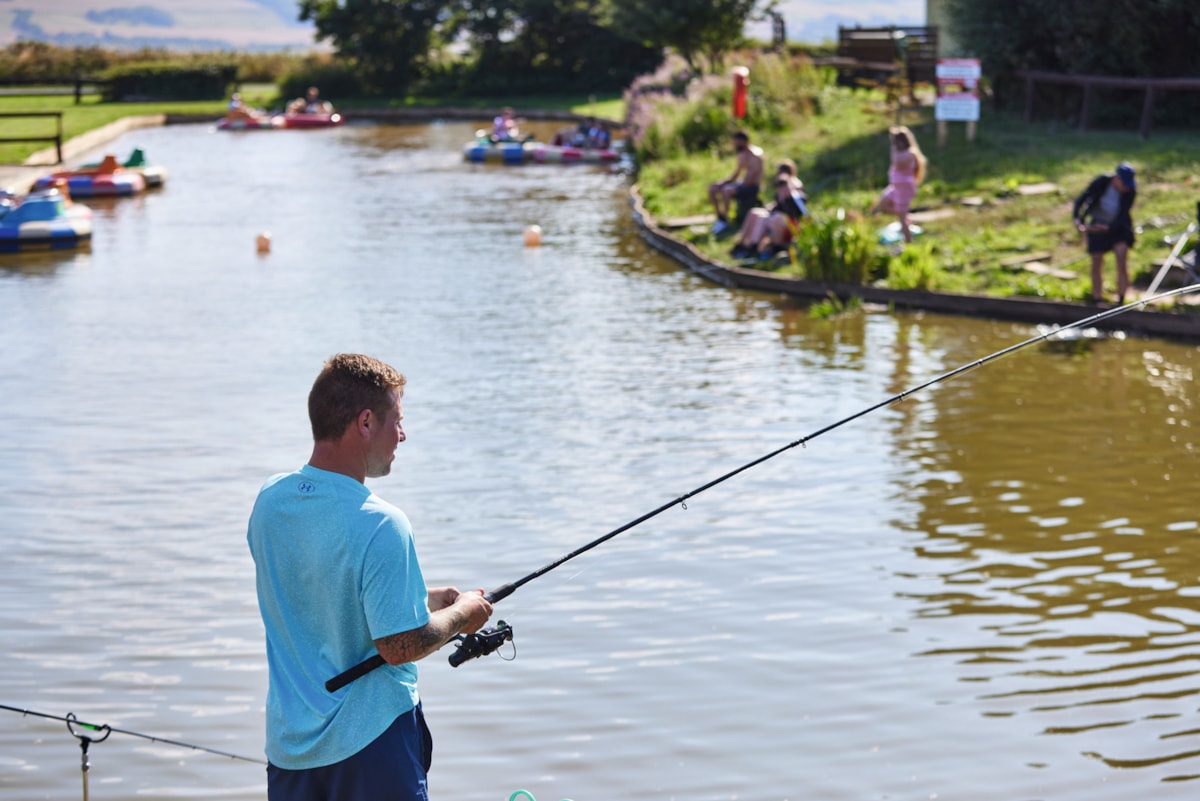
[742,185]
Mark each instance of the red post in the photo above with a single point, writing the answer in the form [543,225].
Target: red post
[741,80]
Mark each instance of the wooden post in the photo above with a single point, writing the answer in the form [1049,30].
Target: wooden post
[1147,111]
[58,140]
[1085,113]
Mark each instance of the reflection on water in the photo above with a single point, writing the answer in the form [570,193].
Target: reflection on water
[44,262]
[1067,542]
[980,592]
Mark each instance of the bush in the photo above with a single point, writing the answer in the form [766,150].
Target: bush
[704,127]
[781,86]
[334,78]
[837,248]
[26,60]
[168,81]
[915,267]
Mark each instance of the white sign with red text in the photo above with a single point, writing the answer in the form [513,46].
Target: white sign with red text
[957,89]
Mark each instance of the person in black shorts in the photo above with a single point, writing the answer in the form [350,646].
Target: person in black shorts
[739,190]
[1102,212]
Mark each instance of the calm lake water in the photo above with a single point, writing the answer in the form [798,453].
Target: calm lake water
[988,591]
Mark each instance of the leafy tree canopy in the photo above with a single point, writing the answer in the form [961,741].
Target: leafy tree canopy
[1150,38]
[541,45]
[695,28]
[387,40]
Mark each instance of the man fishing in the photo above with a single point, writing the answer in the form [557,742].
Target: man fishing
[338,580]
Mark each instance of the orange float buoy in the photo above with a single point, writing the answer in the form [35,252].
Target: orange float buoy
[263,242]
[533,236]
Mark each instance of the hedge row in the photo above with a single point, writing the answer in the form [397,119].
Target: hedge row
[168,81]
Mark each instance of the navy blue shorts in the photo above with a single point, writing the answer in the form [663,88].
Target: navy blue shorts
[1104,241]
[392,768]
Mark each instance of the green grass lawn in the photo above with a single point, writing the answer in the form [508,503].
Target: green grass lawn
[89,115]
[842,155]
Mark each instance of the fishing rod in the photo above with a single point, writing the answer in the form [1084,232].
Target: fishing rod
[101,733]
[88,733]
[488,640]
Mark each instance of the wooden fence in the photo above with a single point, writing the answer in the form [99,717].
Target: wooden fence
[49,87]
[57,138]
[1151,87]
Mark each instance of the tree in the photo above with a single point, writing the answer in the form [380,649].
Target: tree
[1097,37]
[694,28]
[388,41]
[549,45]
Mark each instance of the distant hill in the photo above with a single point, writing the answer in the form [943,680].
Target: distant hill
[175,24]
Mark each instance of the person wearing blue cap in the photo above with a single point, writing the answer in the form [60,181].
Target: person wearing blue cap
[1102,212]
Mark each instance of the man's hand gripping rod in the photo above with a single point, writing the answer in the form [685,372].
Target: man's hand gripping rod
[483,642]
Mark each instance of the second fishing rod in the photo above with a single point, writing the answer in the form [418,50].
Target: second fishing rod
[489,640]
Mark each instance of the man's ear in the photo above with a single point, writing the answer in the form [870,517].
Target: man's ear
[364,421]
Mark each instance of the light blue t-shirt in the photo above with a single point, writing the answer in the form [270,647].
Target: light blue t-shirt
[336,569]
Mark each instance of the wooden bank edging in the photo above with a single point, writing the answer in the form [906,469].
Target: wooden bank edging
[1016,309]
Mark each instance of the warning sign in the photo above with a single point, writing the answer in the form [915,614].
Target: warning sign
[957,89]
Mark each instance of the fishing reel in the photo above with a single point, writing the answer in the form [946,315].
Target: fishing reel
[483,642]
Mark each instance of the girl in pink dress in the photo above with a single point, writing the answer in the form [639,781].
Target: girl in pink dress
[904,175]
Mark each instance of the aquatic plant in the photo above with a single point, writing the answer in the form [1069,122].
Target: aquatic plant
[833,306]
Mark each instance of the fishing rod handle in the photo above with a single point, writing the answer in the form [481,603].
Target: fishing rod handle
[367,665]
[500,593]
[358,671]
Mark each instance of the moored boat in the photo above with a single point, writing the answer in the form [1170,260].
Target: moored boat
[484,151]
[302,119]
[44,220]
[250,121]
[106,179]
[568,154]
[154,175]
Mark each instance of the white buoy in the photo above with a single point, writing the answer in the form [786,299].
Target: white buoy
[533,236]
[263,242]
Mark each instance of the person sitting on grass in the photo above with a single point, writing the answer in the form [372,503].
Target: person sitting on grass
[741,187]
[769,230]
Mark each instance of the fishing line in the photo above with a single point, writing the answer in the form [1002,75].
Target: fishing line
[102,732]
[479,644]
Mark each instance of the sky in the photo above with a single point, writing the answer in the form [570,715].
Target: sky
[813,21]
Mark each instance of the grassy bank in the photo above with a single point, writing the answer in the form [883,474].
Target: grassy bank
[92,114]
[985,222]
